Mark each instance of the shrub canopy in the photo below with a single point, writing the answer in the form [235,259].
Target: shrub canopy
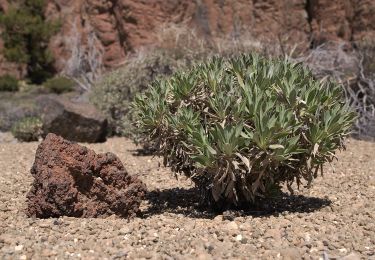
[241,127]
[60,85]
[8,83]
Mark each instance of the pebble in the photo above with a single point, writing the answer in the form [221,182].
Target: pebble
[232,226]
[18,248]
[351,256]
[290,254]
[239,238]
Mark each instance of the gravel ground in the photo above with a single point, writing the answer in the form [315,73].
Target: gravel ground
[333,219]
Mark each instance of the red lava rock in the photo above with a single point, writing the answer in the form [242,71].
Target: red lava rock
[71,180]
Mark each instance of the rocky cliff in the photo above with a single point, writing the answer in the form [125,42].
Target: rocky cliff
[116,27]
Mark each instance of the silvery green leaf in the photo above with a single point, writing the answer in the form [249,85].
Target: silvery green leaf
[276,146]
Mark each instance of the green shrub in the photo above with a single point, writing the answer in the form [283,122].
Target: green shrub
[27,129]
[114,93]
[8,83]
[60,85]
[26,33]
[241,127]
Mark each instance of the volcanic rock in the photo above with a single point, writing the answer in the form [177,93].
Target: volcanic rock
[74,121]
[72,180]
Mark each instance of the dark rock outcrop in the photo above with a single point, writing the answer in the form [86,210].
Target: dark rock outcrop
[71,180]
[74,121]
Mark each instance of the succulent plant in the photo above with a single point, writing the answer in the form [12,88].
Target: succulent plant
[242,127]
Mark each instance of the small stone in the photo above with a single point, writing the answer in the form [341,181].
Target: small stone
[44,225]
[273,233]
[218,218]
[48,253]
[204,256]
[245,227]
[121,255]
[6,239]
[232,226]
[125,230]
[57,222]
[239,238]
[351,256]
[208,247]
[290,254]
[18,248]
[23,257]
[343,250]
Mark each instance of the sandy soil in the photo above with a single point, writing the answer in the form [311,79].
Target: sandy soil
[333,219]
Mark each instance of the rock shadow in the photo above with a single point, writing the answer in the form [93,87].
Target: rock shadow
[187,202]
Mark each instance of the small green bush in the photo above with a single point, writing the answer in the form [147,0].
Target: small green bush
[241,127]
[8,83]
[27,129]
[60,85]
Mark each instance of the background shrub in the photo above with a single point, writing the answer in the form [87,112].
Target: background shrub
[353,67]
[27,129]
[114,93]
[26,33]
[8,83]
[361,94]
[60,85]
[242,127]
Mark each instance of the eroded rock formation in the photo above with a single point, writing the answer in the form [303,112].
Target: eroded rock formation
[71,180]
[121,26]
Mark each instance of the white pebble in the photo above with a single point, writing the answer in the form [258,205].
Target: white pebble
[343,250]
[18,248]
[239,237]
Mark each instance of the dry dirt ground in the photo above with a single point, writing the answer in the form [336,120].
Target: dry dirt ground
[333,219]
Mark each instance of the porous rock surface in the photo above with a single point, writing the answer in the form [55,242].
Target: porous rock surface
[71,180]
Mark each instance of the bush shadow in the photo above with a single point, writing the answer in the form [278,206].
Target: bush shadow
[187,202]
[139,152]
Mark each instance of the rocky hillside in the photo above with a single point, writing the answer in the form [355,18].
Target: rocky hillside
[115,27]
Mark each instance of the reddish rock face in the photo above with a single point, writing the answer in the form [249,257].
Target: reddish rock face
[124,25]
[71,180]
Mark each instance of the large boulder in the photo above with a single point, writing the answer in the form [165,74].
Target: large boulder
[74,121]
[71,180]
